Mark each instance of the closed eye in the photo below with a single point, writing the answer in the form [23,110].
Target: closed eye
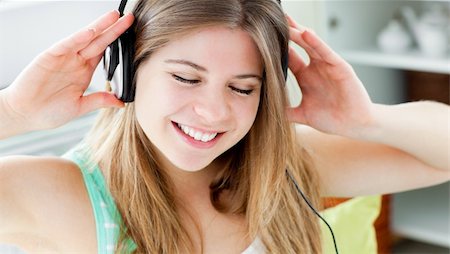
[188,81]
[241,91]
[195,81]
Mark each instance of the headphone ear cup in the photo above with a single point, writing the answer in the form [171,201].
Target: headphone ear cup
[112,59]
[127,52]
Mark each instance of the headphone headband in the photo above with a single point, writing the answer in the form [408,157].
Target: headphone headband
[119,67]
[120,53]
[122,7]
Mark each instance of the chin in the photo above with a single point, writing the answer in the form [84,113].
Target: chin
[190,165]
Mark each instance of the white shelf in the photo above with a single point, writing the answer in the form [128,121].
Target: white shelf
[412,60]
[423,215]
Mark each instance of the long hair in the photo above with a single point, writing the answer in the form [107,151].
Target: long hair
[253,170]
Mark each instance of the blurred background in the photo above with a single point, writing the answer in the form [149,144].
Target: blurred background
[399,49]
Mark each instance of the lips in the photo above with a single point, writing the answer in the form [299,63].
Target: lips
[197,138]
[196,134]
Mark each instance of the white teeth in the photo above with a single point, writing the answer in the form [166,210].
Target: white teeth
[207,138]
[197,135]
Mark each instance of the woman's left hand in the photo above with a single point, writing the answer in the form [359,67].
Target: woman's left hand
[334,100]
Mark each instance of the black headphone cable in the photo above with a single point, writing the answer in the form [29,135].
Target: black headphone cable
[312,208]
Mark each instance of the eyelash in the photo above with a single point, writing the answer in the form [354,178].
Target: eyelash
[194,81]
[244,92]
[188,81]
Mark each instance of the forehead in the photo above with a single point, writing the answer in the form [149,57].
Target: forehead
[216,47]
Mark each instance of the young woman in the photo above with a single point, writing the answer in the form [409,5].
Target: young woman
[197,163]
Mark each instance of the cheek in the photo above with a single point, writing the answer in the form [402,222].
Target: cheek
[155,101]
[246,114]
[149,103]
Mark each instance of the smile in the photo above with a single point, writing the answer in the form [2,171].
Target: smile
[197,135]
[197,138]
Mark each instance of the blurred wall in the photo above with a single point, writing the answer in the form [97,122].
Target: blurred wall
[29,27]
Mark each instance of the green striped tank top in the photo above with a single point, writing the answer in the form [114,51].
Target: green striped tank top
[107,217]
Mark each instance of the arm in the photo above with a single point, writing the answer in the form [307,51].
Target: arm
[361,147]
[352,167]
[418,128]
[49,92]
[9,122]
[36,193]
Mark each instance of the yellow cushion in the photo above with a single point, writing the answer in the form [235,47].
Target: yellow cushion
[352,224]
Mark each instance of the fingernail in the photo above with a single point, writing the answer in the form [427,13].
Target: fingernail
[122,105]
[129,14]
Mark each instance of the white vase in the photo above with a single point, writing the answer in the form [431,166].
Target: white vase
[430,29]
[394,38]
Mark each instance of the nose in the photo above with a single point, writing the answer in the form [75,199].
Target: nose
[213,107]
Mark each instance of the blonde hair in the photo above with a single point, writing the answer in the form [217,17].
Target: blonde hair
[254,169]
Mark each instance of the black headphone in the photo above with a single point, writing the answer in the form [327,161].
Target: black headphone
[120,53]
[118,63]
[119,67]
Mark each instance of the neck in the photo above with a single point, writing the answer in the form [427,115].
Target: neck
[191,186]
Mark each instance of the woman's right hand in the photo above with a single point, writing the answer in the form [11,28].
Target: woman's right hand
[49,91]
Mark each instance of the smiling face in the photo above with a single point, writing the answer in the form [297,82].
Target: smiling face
[198,96]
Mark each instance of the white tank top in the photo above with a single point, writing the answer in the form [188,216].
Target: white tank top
[257,247]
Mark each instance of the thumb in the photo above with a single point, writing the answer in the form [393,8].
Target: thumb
[98,100]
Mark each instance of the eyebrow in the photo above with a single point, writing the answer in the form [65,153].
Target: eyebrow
[203,69]
[188,63]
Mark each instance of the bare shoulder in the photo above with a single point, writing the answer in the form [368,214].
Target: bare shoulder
[21,175]
[35,191]
[349,167]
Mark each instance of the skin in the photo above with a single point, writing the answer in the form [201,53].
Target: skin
[353,139]
[350,138]
[212,103]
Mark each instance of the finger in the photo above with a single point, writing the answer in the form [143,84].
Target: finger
[296,36]
[105,21]
[320,48]
[81,39]
[98,100]
[296,63]
[292,23]
[93,62]
[73,43]
[100,43]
